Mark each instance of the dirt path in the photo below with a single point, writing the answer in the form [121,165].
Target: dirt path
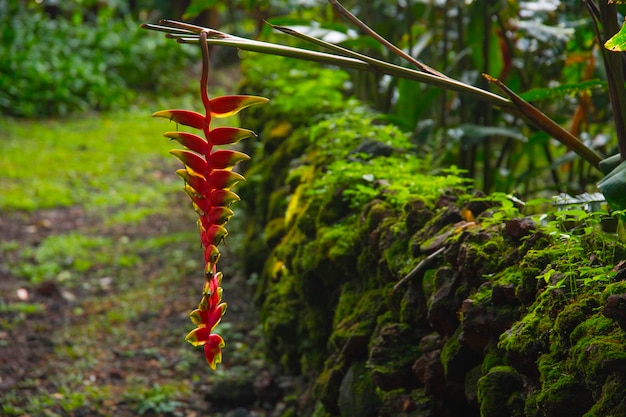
[109,340]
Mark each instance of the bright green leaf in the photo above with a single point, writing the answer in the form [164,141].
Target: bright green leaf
[617,43]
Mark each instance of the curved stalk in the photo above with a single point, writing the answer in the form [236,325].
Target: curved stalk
[543,122]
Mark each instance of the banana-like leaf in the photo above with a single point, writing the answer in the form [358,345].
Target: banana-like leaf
[192,160]
[224,159]
[223,178]
[189,140]
[183,117]
[228,135]
[617,42]
[226,106]
[613,187]
[609,164]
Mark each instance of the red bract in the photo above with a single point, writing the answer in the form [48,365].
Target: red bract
[208,178]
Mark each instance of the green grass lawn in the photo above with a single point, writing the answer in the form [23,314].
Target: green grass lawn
[109,159]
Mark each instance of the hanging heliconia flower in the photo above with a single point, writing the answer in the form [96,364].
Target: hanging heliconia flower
[208,178]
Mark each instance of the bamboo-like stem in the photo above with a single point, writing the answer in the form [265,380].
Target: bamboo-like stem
[347,62]
[371,32]
[543,122]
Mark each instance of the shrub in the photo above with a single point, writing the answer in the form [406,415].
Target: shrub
[64,65]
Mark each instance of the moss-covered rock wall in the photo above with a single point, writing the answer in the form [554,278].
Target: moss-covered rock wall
[396,292]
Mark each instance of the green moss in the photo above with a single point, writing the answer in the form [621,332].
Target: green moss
[327,384]
[393,350]
[497,393]
[570,317]
[561,394]
[480,254]
[280,316]
[493,357]
[450,348]
[531,335]
[357,394]
[595,356]
[274,231]
[612,289]
[355,319]
[612,401]
[373,214]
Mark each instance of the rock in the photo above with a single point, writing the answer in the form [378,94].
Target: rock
[504,295]
[357,394]
[328,384]
[235,390]
[483,322]
[393,352]
[495,392]
[373,147]
[615,308]
[457,359]
[612,401]
[443,304]
[429,372]
[415,403]
[516,229]
[266,388]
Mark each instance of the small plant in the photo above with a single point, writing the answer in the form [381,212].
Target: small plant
[208,179]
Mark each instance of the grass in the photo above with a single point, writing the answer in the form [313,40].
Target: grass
[100,161]
[95,161]
[133,284]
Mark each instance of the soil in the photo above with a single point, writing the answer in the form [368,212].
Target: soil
[74,332]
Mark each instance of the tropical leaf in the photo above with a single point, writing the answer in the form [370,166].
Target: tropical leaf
[617,42]
[563,90]
[613,187]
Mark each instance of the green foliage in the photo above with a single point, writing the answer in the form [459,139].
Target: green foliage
[617,43]
[58,257]
[160,399]
[565,90]
[304,90]
[65,65]
[84,161]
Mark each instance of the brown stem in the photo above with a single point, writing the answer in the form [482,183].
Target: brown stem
[371,32]
[549,126]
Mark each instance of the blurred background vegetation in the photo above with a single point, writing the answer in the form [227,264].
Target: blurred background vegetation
[67,57]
